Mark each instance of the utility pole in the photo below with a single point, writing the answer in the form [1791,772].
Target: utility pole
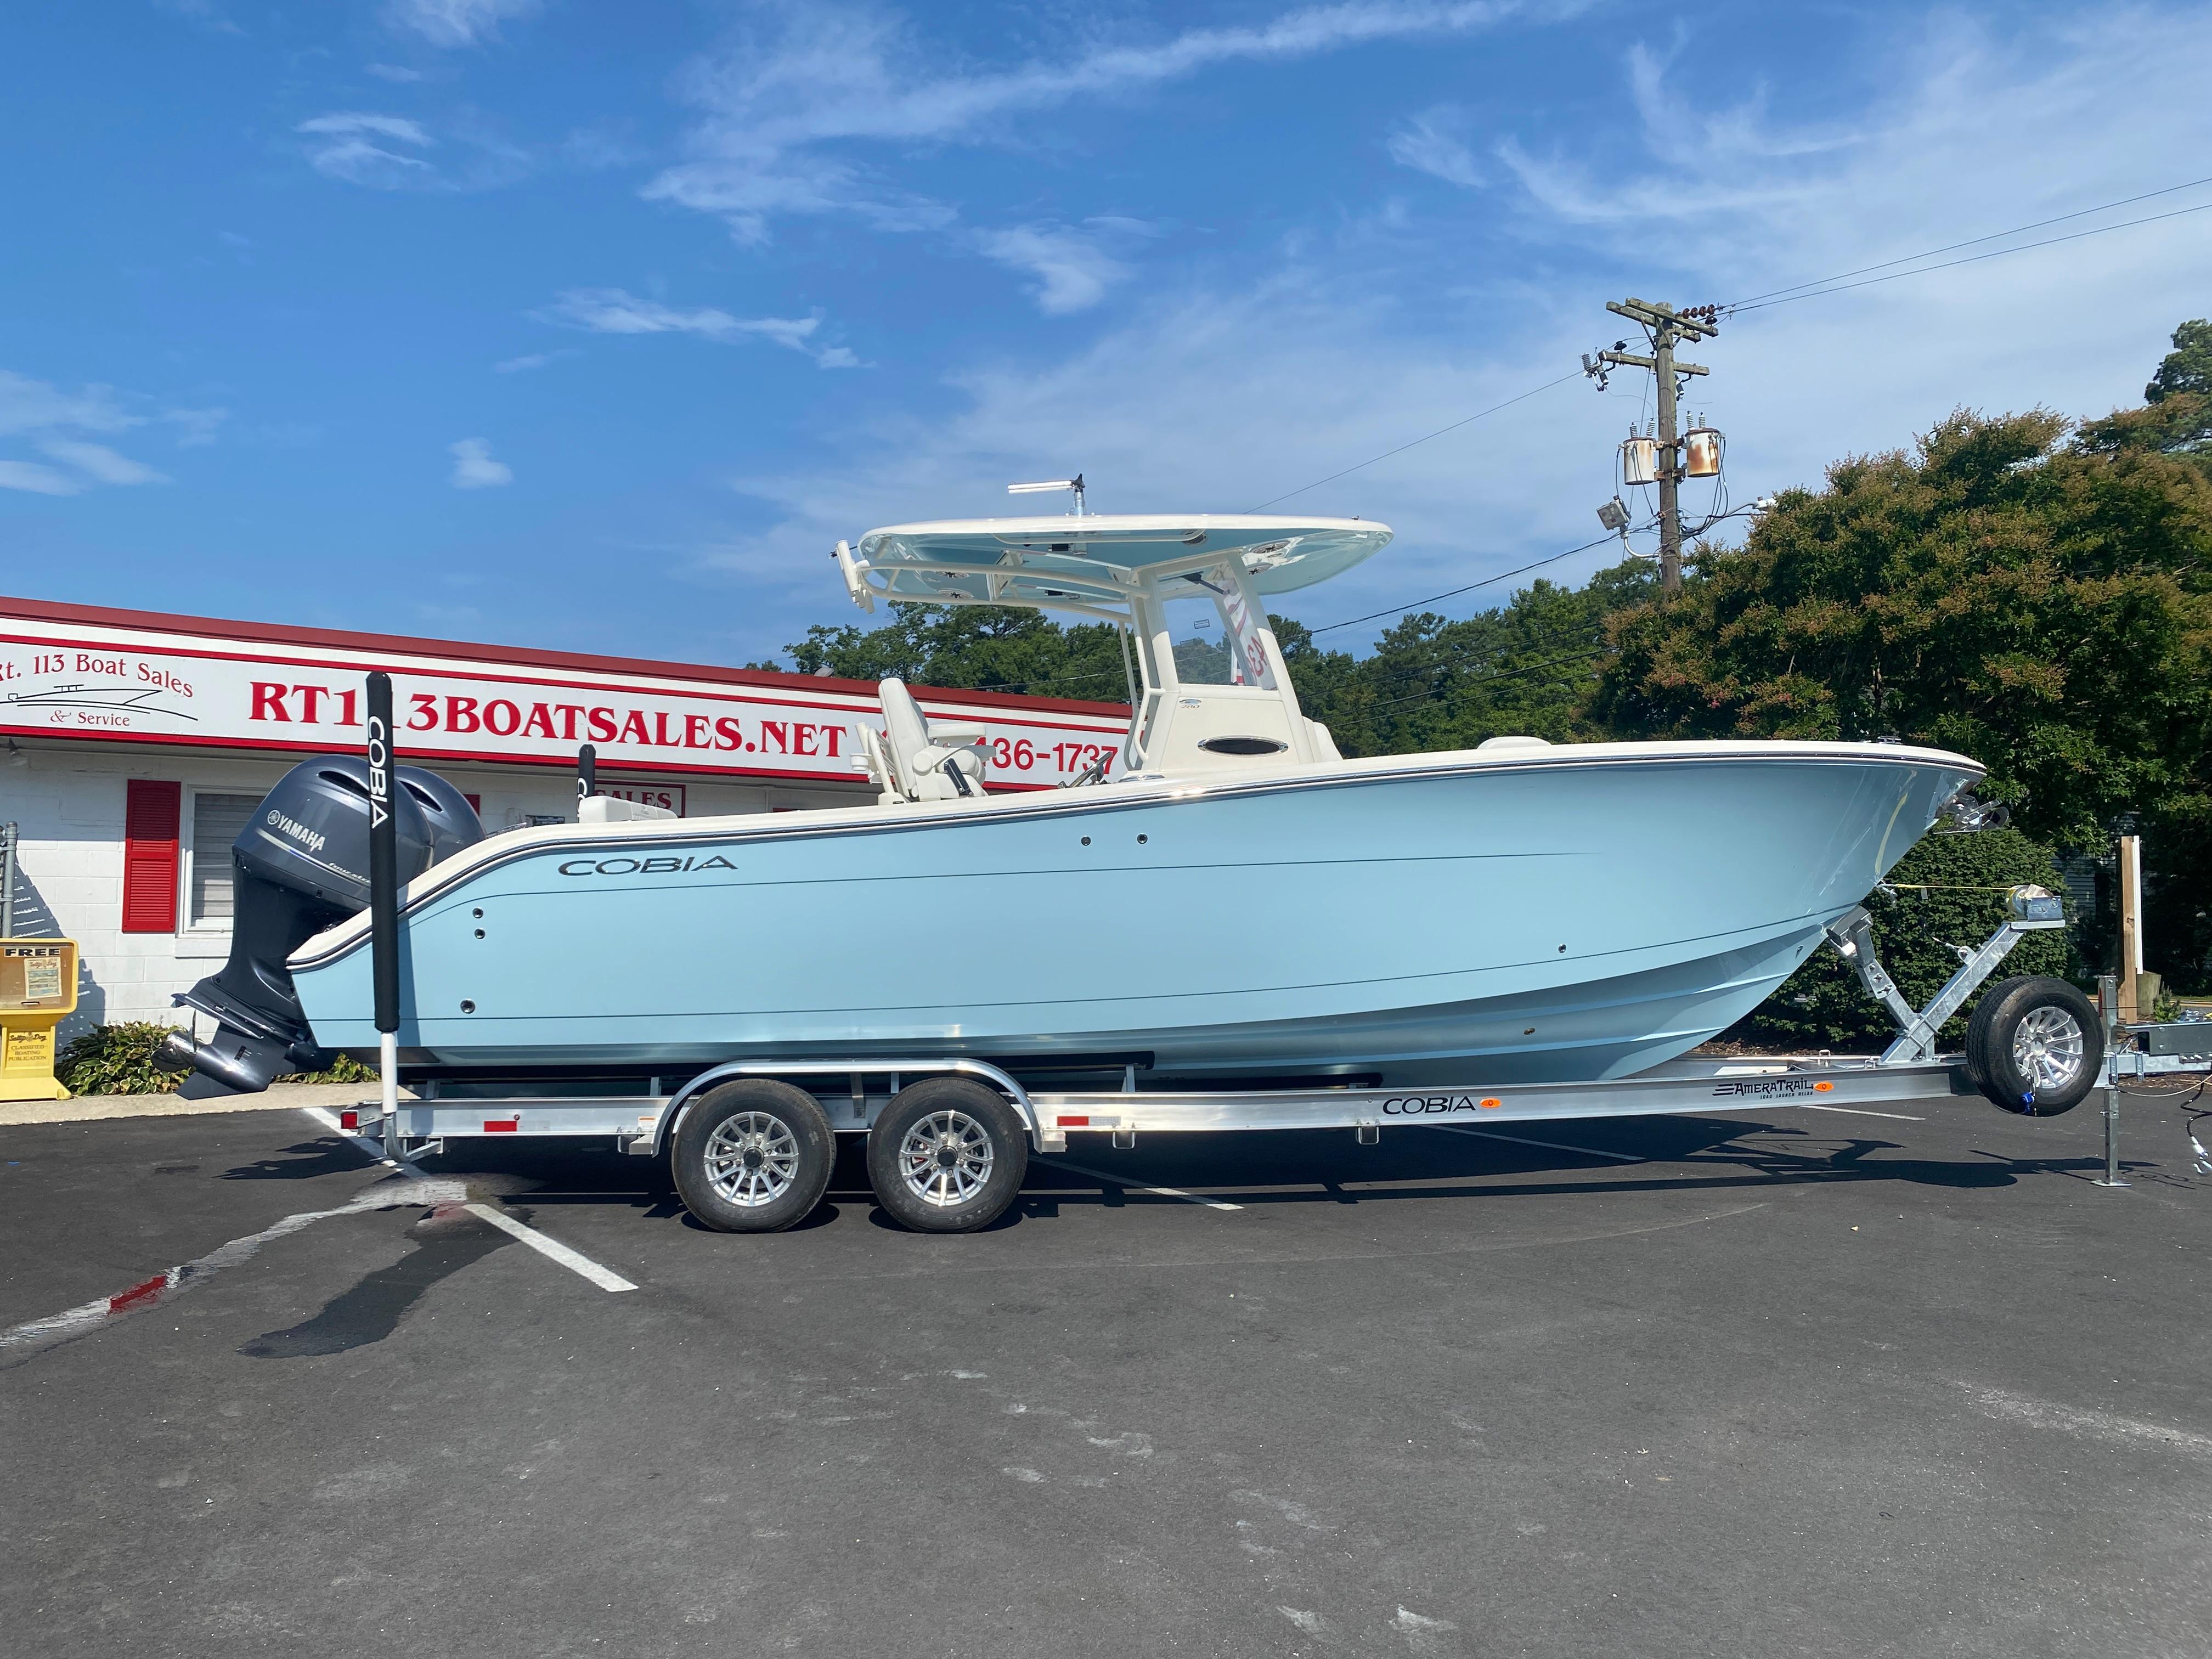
[1667,328]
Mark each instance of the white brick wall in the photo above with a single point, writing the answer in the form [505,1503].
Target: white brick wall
[67,803]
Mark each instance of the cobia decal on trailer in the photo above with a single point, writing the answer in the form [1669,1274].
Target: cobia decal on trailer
[1430,1105]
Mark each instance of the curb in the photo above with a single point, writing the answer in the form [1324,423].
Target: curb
[92,1108]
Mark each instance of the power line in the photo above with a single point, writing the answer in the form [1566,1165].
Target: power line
[1402,448]
[1442,670]
[1503,575]
[1972,241]
[1971,258]
[1508,674]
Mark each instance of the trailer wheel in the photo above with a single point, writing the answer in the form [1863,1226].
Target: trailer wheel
[2034,1046]
[753,1156]
[947,1155]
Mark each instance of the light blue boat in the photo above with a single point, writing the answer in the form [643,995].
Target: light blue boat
[1229,899]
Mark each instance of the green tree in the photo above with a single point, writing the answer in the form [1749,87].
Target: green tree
[2041,605]
[1429,682]
[1944,894]
[2187,369]
[2177,417]
[972,649]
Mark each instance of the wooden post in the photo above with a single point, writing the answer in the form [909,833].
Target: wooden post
[2131,943]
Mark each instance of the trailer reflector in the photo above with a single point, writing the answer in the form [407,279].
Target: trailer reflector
[501,1125]
[348,1119]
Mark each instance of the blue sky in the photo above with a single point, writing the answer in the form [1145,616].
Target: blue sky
[593,326]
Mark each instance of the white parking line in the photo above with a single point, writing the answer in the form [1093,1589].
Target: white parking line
[1548,1146]
[576,1262]
[1138,1186]
[551,1249]
[1855,1111]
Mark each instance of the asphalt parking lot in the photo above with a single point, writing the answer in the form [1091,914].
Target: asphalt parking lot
[1802,1382]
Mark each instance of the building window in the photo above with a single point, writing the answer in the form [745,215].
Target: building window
[216,822]
[149,856]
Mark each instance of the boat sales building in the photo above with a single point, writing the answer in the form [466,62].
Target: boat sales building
[138,744]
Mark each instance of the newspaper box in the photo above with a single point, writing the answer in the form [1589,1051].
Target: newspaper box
[38,991]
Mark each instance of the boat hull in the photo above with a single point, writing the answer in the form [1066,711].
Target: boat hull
[1578,915]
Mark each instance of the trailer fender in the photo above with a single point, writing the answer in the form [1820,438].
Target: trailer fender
[800,1071]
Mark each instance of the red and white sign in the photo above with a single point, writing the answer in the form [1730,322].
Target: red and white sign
[70,671]
[668,797]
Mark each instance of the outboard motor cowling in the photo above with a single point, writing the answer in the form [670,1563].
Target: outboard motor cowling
[301,866]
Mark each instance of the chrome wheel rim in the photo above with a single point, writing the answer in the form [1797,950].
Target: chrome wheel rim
[945,1158]
[2047,1049]
[752,1159]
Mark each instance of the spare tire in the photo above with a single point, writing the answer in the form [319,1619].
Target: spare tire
[2034,1046]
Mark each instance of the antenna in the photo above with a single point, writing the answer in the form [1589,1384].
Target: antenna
[1075,483]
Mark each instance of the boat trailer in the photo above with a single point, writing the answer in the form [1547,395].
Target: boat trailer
[751,1140]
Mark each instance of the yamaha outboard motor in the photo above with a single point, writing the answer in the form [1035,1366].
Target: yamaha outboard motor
[300,865]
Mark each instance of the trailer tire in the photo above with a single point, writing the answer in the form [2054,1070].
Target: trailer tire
[2034,1046]
[753,1156]
[947,1155]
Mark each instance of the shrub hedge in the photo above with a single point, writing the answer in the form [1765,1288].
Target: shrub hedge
[121,1059]
[1822,1004]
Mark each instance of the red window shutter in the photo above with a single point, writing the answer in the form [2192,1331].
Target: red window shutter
[150,816]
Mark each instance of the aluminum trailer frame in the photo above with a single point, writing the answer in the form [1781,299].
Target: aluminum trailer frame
[854,1093]
[854,1098]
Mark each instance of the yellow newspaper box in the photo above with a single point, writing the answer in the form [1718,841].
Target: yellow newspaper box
[38,991]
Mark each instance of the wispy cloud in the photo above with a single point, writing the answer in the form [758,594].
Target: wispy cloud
[28,406]
[597,149]
[775,107]
[196,428]
[529,360]
[37,480]
[99,463]
[1072,266]
[203,12]
[385,126]
[55,420]
[396,74]
[616,311]
[474,468]
[381,152]
[1434,142]
[345,147]
[456,23]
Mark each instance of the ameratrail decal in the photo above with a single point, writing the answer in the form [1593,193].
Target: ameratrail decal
[1768,1088]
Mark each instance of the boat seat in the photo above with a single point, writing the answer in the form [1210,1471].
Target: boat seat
[926,761]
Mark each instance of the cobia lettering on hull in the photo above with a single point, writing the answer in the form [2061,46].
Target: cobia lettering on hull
[661,865]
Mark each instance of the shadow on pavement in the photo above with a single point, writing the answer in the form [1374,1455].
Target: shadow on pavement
[372,1309]
[304,1160]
